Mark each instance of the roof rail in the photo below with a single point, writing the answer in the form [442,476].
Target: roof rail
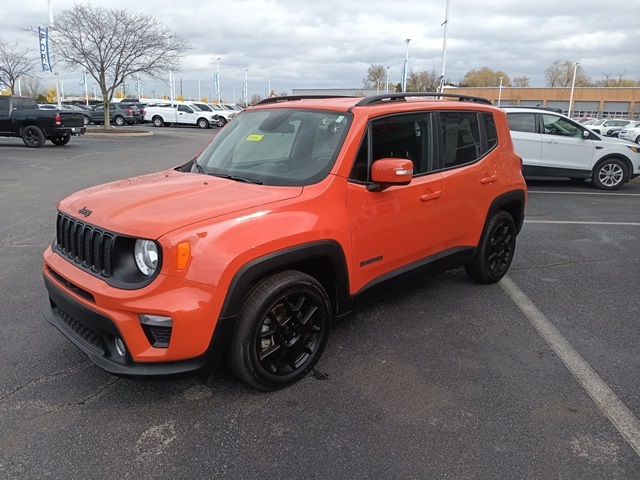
[291,98]
[401,97]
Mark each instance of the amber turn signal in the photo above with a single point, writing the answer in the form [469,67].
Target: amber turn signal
[184,254]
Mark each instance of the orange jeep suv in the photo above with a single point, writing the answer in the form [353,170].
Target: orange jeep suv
[297,212]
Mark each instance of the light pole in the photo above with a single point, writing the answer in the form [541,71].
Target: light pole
[386,83]
[573,86]
[56,73]
[443,67]
[246,87]
[199,92]
[499,91]
[406,67]
[268,87]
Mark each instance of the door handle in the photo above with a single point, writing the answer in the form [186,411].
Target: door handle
[430,196]
[551,141]
[490,179]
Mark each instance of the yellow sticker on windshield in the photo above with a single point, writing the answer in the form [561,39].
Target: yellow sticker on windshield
[255,138]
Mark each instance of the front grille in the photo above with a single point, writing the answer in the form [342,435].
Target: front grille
[82,331]
[85,245]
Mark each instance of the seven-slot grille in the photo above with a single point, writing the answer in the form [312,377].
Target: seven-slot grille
[85,245]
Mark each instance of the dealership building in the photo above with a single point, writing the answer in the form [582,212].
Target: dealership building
[612,102]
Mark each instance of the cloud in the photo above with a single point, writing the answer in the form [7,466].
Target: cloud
[304,44]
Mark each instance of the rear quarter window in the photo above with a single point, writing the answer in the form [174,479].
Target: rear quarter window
[522,122]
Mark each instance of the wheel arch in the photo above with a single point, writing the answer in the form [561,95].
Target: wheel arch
[513,203]
[619,156]
[325,261]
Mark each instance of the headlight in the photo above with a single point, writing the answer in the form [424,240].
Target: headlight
[635,149]
[145,253]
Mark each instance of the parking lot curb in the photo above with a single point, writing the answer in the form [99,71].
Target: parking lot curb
[117,135]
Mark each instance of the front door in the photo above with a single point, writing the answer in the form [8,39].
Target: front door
[5,117]
[186,115]
[563,146]
[399,225]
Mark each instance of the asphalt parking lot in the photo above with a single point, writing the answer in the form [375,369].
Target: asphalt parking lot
[444,380]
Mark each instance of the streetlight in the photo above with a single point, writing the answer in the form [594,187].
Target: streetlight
[406,66]
[386,85]
[573,86]
[444,48]
[500,91]
[246,87]
[199,92]
[268,87]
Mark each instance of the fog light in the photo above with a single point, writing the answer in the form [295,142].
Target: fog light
[120,348]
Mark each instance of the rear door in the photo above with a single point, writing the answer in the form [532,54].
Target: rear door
[5,117]
[467,143]
[563,146]
[527,141]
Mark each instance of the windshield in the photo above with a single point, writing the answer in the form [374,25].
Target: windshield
[203,107]
[277,146]
[597,122]
[216,107]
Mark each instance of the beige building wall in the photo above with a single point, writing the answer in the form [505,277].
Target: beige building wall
[610,100]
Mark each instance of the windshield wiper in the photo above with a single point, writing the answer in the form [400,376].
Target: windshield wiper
[198,166]
[236,178]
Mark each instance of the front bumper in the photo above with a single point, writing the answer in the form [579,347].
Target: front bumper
[93,315]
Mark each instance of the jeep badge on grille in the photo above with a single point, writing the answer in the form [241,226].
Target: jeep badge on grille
[85,211]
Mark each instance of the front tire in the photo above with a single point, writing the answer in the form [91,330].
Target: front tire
[60,141]
[33,137]
[638,139]
[203,123]
[610,174]
[495,252]
[222,122]
[86,120]
[281,331]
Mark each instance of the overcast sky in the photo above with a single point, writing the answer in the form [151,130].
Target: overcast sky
[331,43]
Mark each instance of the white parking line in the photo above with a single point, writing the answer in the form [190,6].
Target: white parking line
[610,405]
[585,193]
[572,222]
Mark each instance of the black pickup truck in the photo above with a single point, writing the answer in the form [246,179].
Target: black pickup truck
[21,117]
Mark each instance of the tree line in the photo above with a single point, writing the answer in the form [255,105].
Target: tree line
[558,74]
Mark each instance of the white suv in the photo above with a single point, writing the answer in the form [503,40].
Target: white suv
[551,144]
[631,132]
[606,127]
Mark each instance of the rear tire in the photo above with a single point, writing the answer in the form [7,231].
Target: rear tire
[86,120]
[157,121]
[495,252]
[610,174]
[33,137]
[281,331]
[60,141]
[119,121]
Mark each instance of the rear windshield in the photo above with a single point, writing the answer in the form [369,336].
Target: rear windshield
[277,146]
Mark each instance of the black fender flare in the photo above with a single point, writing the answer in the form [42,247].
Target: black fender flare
[508,201]
[328,251]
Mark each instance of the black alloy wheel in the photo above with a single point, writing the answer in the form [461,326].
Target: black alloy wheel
[494,254]
[33,137]
[281,330]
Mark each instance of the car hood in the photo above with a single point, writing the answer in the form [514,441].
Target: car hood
[614,141]
[152,205]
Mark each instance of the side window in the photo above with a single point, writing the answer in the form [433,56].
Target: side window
[460,134]
[360,170]
[403,136]
[185,109]
[4,105]
[522,122]
[490,130]
[554,125]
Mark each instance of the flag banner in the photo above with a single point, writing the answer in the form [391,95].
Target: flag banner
[45,57]
[83,80]
[216,83]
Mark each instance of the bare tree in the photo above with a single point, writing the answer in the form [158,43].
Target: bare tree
[112,45]
[376,76]
[423,81]
[254,99]
[521,82]
[32,87]
[560,74]
[618,80]
[15,63]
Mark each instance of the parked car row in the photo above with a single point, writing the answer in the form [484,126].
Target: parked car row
[607,127]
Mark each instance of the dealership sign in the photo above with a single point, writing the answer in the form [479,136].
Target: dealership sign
[45,58]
